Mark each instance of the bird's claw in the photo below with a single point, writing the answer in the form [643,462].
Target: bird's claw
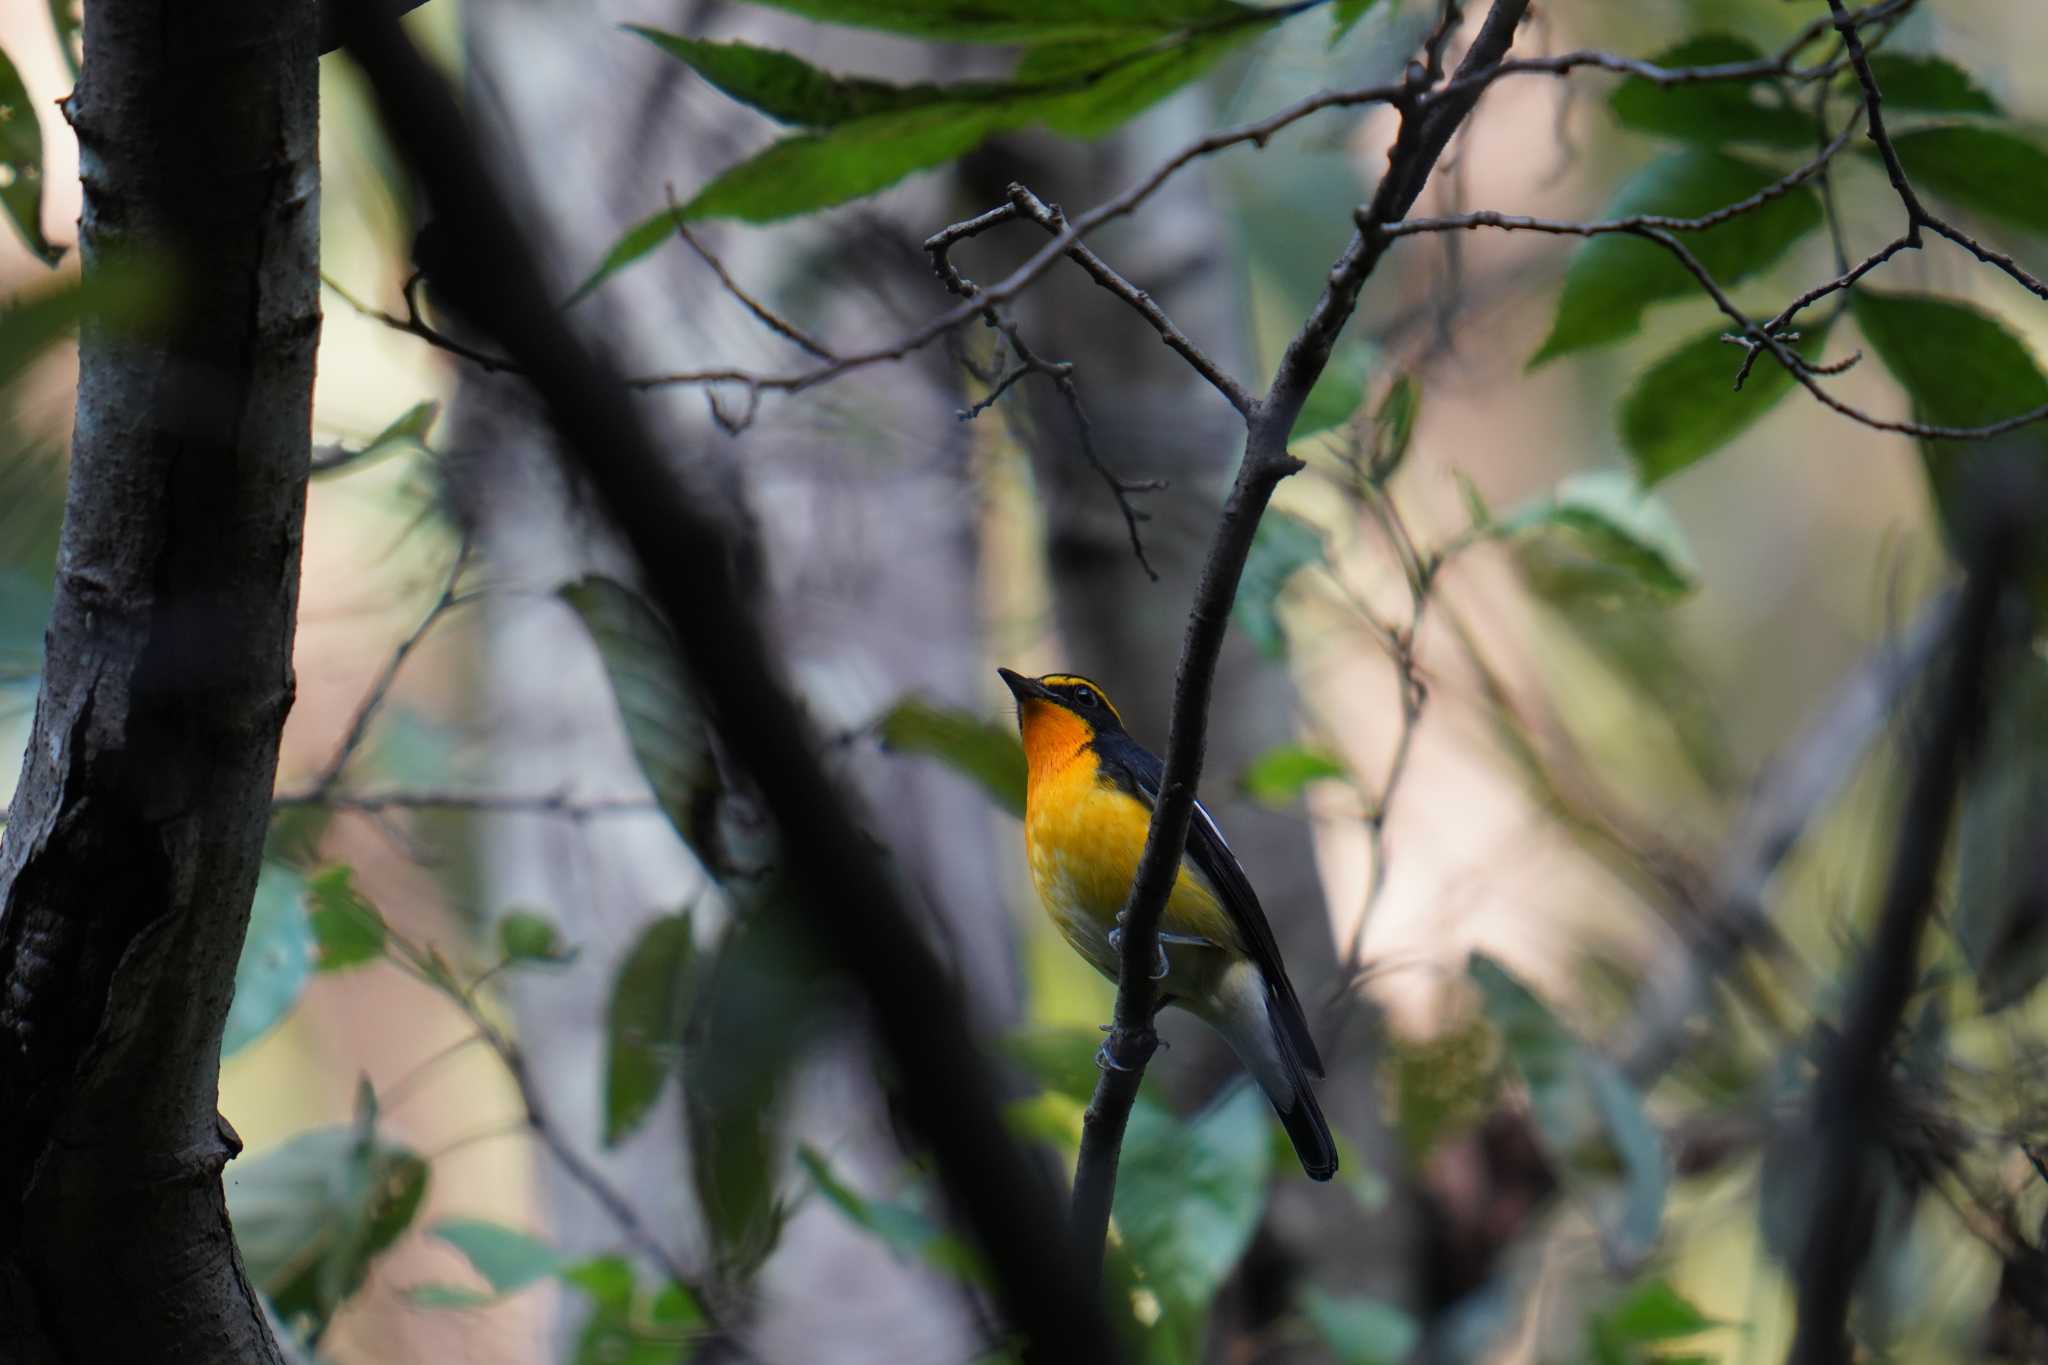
[1160,967]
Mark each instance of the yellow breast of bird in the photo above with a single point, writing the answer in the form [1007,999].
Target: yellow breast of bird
[1083,838]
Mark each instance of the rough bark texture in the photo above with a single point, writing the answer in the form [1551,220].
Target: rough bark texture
[128,866]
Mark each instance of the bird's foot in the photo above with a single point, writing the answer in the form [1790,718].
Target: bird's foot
[1160,966]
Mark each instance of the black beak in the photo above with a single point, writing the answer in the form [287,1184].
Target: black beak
[1023,688]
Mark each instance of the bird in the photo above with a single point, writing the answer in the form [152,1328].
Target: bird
[1089,793]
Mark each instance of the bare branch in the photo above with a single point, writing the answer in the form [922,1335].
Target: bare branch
[767,317]
[1425,128]
[414,323]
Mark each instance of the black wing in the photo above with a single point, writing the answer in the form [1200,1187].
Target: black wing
[1123,756]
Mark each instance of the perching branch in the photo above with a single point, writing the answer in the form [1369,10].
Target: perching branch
[1426,126]
[684,552]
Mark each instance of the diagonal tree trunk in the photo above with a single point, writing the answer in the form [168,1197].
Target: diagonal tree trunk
[129,862]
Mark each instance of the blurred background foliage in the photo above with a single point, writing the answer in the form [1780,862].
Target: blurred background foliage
[1551,593]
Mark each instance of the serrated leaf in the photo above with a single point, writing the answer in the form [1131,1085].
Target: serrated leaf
[1033,22]
[1960,366]
[276,961]
[1711,112]
[1599,535]
[1929,83]
[906,1230]
[527,936]
[1991,171]
[1685,406]
[311,1215]
[508,1259]
[1280,775]
[650,1000]
[988,755]
[1337,392]
[347,928]
[21,164]
[1281,547]
[660,714]
[1612,279]
[1190,1195]
[1361,1331]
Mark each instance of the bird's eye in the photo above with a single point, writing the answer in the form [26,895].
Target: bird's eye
[1084,696]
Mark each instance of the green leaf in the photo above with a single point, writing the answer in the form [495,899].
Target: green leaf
[2001,910]
[1393,427]
[1987,170]
[1361,1331]
[1280,775]
[1034,22]
[988,755]
[1930,83]
[754,1014]
[508,1260]
[277,958]
[1600,536]
[1613,278]
[1337,392]
[627,1326]
[644,1022]
[346,926]
[21,164]
[903,1228]
[790,90]
[1655,1312]
[1711,112]
[1646,1175]
[662,720]
[311,1215]
[1540,1048]
[526,936]
[1960,366]
[1344,16]
[870,135]
[408,431]
[1685,406]
[1190,1195]
[1282,547]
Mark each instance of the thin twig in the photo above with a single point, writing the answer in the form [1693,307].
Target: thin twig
[767,316]
[415,324]
[373,700]
[561,804]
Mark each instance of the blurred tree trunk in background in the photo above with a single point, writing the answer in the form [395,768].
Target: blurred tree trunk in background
[866,555]
[131,856]
[1154,418]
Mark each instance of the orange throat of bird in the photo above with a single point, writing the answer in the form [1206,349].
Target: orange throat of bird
[1053,736]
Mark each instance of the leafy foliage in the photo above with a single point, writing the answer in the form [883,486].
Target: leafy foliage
[1279,776]
[1361,1331]
[346,926]
[644,1025]
[1189,1195]
[906,1230]
[1684,408]
[310,1216]
[21,164]
[988,755]
[1926,82]
[276,961]
[1988,170]
[1710,113]
[1599,535]
[1960,366]
[1283,546]
[1613,278]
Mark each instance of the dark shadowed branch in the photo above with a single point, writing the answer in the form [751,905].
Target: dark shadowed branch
[1849,1093]
[685,553]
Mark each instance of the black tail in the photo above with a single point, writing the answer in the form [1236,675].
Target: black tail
[1303,1119]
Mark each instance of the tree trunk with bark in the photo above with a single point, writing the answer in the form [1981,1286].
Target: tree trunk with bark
[137,831]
